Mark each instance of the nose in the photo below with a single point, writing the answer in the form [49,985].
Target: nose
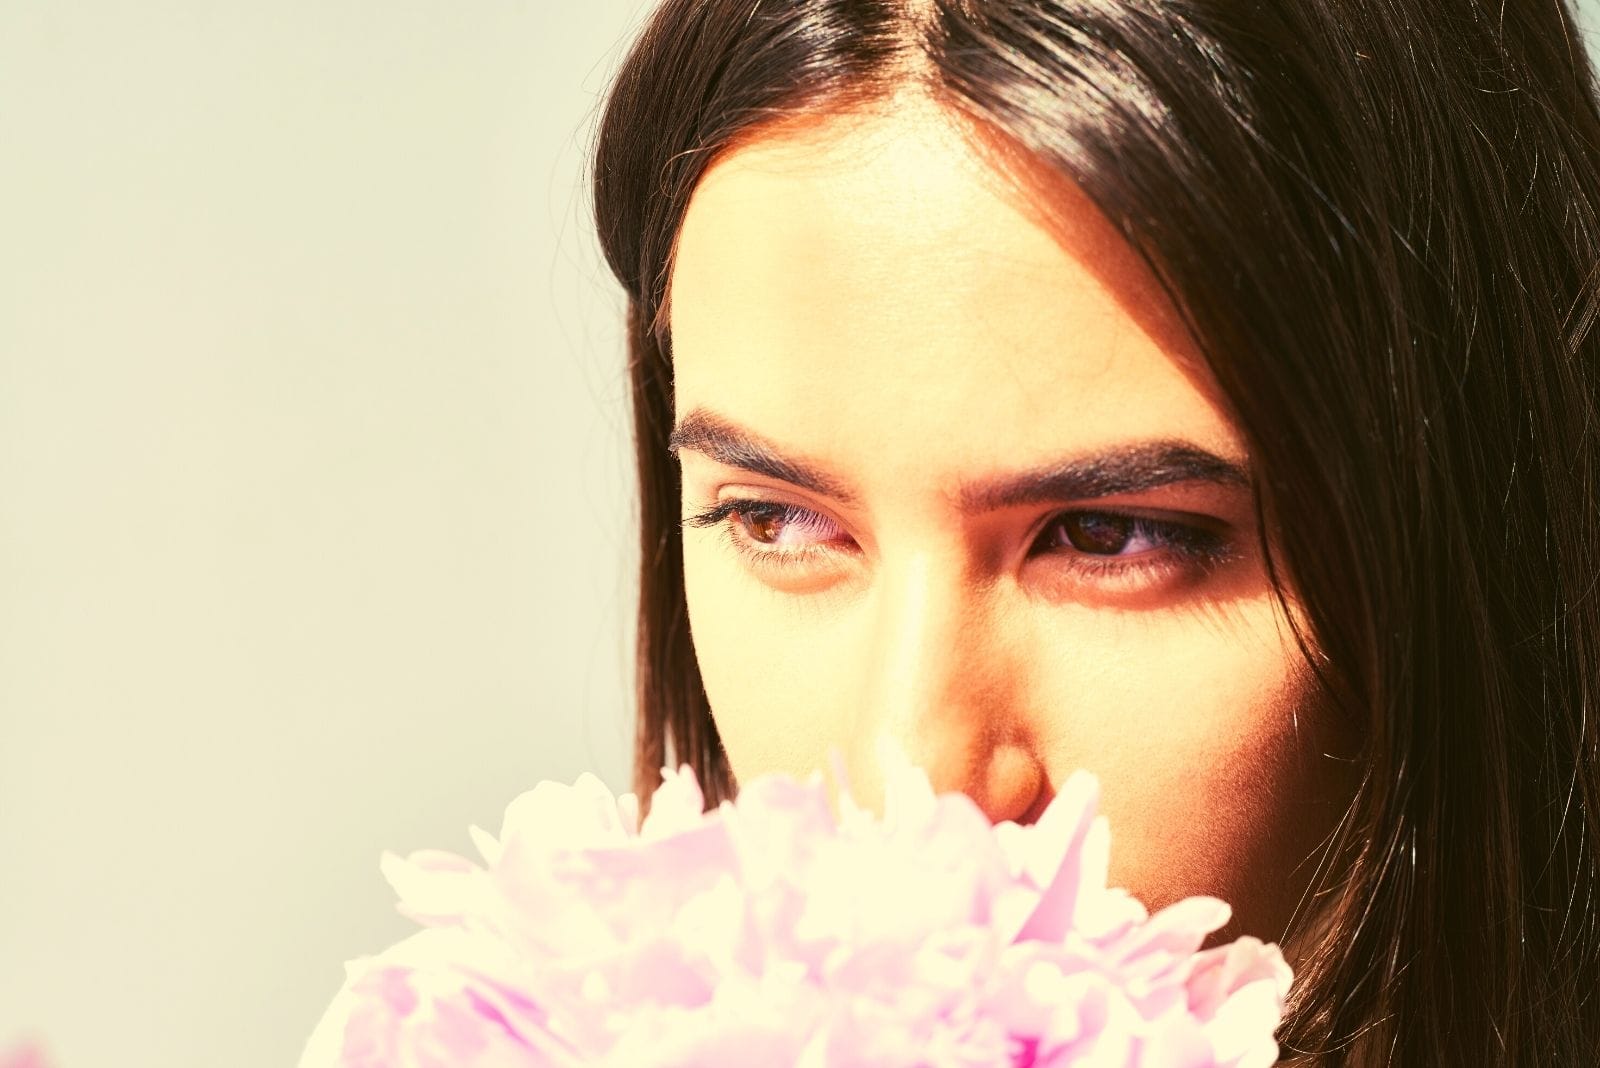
[942,685]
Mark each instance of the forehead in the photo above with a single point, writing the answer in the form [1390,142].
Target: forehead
[870,289]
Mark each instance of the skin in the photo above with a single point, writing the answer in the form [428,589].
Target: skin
[875,298]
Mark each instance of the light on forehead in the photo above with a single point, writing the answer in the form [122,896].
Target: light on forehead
[900,163]
[885,146]
[888,300]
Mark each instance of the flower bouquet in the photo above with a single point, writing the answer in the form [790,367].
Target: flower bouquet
[776,931]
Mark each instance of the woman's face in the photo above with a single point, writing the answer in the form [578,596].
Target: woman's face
[963,485]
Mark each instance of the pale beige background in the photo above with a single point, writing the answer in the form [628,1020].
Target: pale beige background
[314,493]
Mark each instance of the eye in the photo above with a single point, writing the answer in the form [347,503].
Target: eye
[1129,552]
[770,532]
[777,524]
[1100,533]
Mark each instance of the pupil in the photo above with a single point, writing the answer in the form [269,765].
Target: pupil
[1105,534]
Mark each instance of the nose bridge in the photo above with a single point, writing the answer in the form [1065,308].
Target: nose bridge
[927,646]
[942,690]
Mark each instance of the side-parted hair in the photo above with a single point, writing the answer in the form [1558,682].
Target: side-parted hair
[1380,220]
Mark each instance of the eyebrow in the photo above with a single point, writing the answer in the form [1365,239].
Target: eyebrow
[1131,468]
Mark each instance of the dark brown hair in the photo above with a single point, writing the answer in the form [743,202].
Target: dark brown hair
[1381,221]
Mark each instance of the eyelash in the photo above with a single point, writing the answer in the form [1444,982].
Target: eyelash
[1182,547]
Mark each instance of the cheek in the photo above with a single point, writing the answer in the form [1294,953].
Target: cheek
[771,676]
[1207,743]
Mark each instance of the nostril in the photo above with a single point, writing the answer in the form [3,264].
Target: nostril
[1035,810]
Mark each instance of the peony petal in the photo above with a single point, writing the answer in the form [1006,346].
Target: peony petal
[487,845]
[1241,1032]
[436,888]
[1180,1044]
[1238,991]
[908,799]
[1172,934]
[677,805]
[387,1014]
[1219,971]
[1036,853]
[628,812]
[553,816]
[1056,848]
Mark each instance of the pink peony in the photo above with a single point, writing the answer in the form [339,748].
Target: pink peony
[770,932]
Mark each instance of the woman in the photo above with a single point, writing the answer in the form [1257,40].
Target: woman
[1200,393]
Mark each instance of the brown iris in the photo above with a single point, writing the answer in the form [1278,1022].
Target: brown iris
[765,524]
[1091,533]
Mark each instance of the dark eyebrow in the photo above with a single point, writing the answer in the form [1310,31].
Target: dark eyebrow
[727,443]
[1132,468]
